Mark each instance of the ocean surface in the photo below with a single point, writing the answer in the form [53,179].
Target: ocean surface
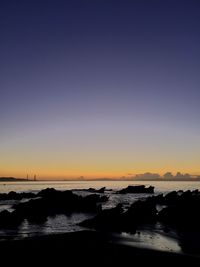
[160,186]
[147,237]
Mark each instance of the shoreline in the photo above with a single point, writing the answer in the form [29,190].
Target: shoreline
[140,216]
[88,247]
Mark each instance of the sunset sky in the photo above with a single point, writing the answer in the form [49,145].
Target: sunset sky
[99,88]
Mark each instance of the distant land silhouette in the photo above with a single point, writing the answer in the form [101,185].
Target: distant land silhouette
[12,179]
[148,176]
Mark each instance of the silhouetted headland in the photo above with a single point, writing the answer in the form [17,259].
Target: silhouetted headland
[12,179]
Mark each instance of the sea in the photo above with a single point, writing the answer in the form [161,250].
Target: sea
[146,237]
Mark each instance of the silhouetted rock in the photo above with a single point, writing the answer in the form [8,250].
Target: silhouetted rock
[141,212]
[156,200]
[9,219]
[179,209]
[108,219]
[182,209]
[16,196]
[136,189]
[52,202]
[93,190]
[175,197]
[171,198]
[5,217]
[116,219]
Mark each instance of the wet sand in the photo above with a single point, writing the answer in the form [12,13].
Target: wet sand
[86,248]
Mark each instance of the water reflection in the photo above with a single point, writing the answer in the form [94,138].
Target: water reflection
[151,240]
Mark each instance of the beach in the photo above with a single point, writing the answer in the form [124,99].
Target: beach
[99,226]
[87,248]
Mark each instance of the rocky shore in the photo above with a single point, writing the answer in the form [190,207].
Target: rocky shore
[177,211]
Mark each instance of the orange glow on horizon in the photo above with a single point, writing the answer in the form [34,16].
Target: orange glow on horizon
[56,175]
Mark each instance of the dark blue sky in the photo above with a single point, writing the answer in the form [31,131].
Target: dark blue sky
[127,70]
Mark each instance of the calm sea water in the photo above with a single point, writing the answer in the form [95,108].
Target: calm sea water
[152,238]
[160,186]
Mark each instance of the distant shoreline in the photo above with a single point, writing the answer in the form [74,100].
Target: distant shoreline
[13,179]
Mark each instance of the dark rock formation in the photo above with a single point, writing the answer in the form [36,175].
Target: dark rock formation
[54,202]
[93,190]
[16,196]
[108,219]
[26,195]
[116,219]
[10,219]
[182,210]
[141,212]
[50,202]
[176,209]
[136,189]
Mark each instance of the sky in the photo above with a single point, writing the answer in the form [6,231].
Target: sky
[99,88]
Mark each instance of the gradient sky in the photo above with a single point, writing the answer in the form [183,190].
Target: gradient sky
[99,88]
